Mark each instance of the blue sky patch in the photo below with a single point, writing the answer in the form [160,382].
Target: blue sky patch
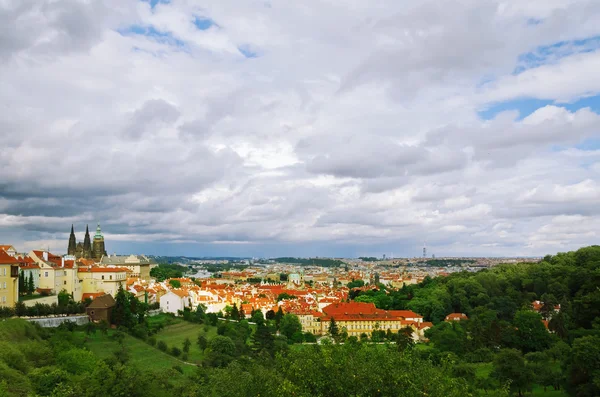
[553,52]
[526,106]
[247,52]
[153,3]
[152,32]
[203,23]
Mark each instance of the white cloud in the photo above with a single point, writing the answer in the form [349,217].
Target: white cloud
[355,125]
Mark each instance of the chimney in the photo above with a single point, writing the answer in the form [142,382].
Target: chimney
[62,260]
[45,255]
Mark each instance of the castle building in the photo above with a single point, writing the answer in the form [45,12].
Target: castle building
[86,249]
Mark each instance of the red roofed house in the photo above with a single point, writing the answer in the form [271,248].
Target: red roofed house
[9,249]
[456,317]
[357,318]
[9,280]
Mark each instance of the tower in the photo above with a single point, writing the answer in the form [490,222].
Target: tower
[87,245]
[98,250]
[72,250]
[424,251]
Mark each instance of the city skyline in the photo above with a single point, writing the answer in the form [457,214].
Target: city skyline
[314,129]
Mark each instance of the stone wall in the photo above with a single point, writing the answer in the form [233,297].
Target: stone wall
[51,322]
[46,300]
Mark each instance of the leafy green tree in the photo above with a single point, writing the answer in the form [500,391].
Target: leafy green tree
[285,295]
[333,328]
[235,313]
[278,316]
[263,339]
[202,342]
[64,298]
[186,345]
[510,368]
[531,334]
[121,313]
[290,324]
[257,317]
[221,350]
[175,283]
[584,367]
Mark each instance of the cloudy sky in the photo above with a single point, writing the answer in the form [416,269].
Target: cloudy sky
[313,127]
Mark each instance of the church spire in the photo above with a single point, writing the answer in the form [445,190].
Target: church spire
[87,244]
[72,249]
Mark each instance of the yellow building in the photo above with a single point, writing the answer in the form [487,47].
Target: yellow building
[102,279]
[9,280]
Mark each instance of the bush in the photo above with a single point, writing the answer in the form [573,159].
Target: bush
[184,357]
[175,351]
[162,346]
[151,341]
[178,368]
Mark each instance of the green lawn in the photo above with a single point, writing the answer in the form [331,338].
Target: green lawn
[141,354]
[176,333]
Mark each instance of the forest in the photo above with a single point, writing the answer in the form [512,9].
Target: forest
[502,349]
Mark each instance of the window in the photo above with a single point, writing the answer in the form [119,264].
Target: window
[102,277]
[5,271]
[4,299]
[65,282]
[5,285]
[111,277]
[45,274]
[65,273]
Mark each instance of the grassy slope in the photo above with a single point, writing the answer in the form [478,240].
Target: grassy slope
[141,354]
[175,335]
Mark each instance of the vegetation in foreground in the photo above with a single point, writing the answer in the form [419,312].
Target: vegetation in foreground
[503,349]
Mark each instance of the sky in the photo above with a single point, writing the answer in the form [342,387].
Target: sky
[301,128]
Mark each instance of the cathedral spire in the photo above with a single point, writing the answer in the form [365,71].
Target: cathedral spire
[72,249]
[87,244]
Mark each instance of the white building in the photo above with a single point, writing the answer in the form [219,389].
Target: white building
[175,300]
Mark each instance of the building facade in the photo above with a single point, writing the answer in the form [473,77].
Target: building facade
[9,280]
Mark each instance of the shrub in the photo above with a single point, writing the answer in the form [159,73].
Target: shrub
[178,368]
[175,351]
[162,346]
[151,341]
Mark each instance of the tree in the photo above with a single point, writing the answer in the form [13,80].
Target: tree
[404,338]
[531,334]
[221,350]
[285,295]
[509,367]
[235,313]
[270,315]
[175,283]
[278,316]
[584,367]
[30,284]
[22,285]
[290,324]
[202,342]
[186,345]
[257,317]
[63,298]
[263,339]
[333,328]
[121,312]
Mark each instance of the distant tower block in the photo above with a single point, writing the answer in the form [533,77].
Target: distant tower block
[383,256]
[424,251]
